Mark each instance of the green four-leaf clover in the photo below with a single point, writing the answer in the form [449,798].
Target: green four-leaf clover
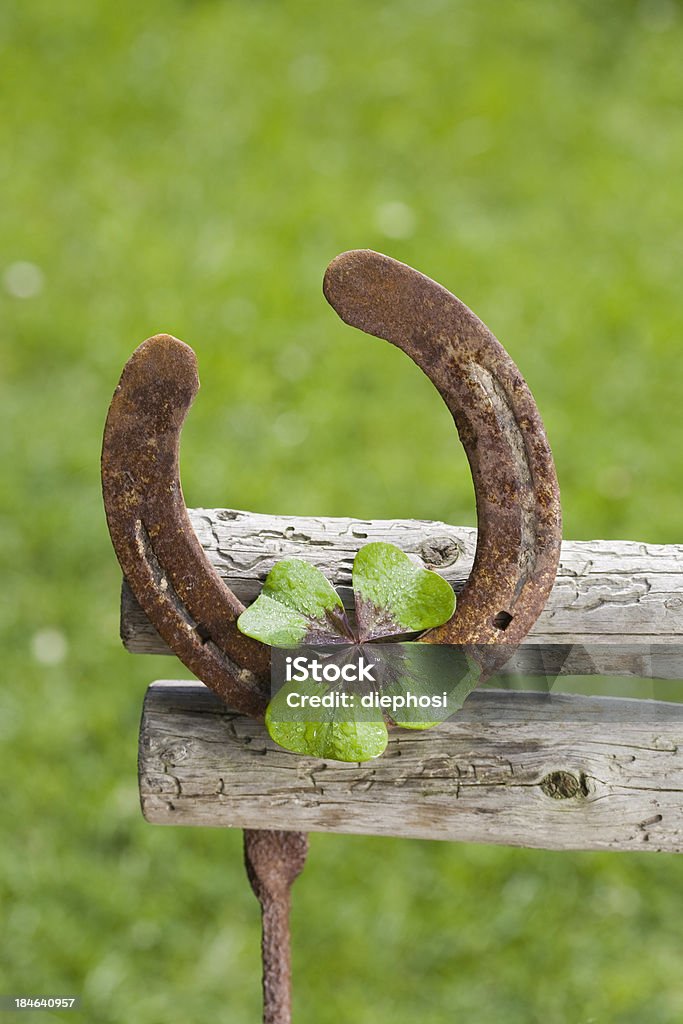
[298,605]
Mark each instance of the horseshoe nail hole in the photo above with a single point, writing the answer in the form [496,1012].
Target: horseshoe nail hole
[502,620]
[203,633]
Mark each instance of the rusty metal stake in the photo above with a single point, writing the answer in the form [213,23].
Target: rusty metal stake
[273,861]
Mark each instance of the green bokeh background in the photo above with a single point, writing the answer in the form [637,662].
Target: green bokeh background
[191,167]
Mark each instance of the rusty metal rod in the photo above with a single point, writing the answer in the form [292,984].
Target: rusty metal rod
[273,861]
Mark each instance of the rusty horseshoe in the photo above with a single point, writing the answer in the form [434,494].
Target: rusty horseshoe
[516,490]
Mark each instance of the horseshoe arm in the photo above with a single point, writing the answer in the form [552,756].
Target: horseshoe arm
[159,552]
[515,484]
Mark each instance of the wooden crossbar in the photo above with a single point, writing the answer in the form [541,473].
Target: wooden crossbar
[536,770]
[624,599]
[554,771]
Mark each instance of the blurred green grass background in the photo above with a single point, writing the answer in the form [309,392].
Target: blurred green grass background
[191,167]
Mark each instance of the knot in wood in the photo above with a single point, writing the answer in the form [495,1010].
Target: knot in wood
[439,551]
[563,785]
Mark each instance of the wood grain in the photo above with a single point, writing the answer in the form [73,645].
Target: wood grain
[545,771]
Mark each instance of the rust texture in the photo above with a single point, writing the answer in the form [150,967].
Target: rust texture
[160,555]
[273,861]
[515,484]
